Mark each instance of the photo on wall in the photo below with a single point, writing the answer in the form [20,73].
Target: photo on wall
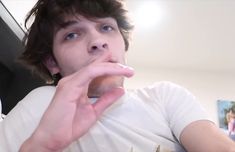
[226,114]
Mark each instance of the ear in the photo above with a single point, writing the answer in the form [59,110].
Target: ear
[51,65]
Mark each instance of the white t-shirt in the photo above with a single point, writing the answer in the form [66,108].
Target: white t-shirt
[142,120]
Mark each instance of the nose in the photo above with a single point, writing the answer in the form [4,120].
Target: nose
[98,46]
[98,43]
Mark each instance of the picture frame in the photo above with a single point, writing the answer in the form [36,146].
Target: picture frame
[226,116]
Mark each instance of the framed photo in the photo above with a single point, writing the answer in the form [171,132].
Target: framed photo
[226,114]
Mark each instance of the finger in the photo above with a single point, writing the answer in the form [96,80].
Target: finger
[108,68]
[86,75]
[107,99]
[83,98]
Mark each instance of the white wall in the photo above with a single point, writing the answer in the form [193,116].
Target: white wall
[208,87]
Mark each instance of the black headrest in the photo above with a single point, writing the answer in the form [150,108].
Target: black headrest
[5,78]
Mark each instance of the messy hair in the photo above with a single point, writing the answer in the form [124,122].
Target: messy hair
[48,15]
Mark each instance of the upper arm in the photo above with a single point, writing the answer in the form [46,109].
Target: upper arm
[204,136]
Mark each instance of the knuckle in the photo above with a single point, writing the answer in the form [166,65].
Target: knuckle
[89,71]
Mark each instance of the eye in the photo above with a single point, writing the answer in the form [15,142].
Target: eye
[107,28]
[71,36]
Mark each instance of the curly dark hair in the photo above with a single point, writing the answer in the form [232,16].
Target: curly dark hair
[48,15]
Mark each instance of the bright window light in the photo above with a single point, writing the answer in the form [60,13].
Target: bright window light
[147,14]
[19,9]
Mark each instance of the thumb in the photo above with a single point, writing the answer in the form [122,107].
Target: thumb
[107,99]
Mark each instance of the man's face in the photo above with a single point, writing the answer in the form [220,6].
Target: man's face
[82,41]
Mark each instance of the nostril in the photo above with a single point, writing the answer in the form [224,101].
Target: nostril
[105,45]
[101,47]
[94,47]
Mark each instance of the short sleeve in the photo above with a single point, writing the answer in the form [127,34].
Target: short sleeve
[180,107]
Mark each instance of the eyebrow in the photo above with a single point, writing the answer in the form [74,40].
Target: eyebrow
[68,23]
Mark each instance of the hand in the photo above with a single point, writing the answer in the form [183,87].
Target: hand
[70,115]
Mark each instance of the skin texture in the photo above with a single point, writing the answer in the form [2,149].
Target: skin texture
[204,136]
[90,57]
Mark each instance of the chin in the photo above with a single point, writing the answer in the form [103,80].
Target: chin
[100,85]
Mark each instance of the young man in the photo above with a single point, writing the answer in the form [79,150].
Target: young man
[84,41]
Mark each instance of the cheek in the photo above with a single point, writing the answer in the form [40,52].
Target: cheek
[68,59]
[67,53]
[117,41]
[122,42]
[120,48]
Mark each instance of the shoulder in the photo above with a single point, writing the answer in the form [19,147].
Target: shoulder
[32,106]
[26,114]
[166,94]
[164,85]
[41,92]
[164,88]
[39,97]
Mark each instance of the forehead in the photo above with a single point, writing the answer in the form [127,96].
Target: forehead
[70,20]
[80,18]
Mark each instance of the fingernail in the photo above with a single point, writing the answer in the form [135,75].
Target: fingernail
[125,67]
